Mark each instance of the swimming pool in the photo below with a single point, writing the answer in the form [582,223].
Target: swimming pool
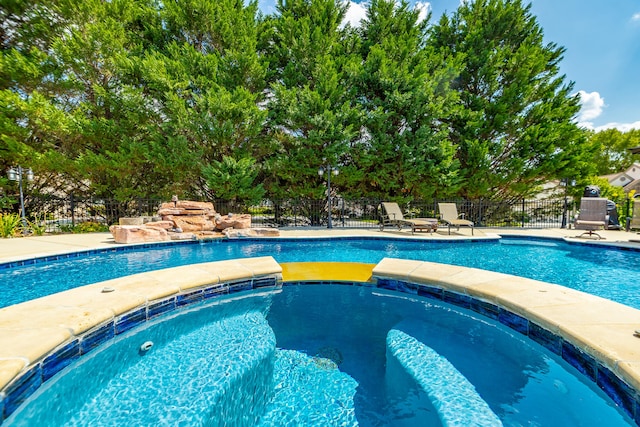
[604,271]
[318,356]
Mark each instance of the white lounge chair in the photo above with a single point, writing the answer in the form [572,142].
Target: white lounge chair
[392,216]
[449,215]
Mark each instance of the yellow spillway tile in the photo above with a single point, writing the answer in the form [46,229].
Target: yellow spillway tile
[344,271]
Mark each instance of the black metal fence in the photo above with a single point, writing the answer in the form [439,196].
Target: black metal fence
[62,214]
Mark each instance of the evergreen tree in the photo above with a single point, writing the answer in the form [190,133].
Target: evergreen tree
[403,87]
[208,81]
[516,128]
[311,115]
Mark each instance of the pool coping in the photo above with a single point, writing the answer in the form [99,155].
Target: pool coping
[38,338]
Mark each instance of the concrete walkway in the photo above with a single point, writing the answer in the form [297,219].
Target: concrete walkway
[20,248]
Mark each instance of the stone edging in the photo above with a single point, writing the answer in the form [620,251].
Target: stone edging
[40,337]
[593,334]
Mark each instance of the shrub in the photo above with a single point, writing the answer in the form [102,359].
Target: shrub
[37,227]
[84,227]
[10,225]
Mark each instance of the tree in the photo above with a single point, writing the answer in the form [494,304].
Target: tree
[613,155]
[516,127]
[208,81]
[234,180]
[403,88]
[133,99]
[311,115]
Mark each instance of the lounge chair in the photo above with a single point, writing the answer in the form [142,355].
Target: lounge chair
[635,218]
[449,215]
[592,216]
[392,216]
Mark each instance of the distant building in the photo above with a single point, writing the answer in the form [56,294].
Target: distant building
[628,180]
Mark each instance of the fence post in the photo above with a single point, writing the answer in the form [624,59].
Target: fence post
[73,210]
[523,213]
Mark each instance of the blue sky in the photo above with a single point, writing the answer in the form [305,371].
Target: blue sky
[602,58]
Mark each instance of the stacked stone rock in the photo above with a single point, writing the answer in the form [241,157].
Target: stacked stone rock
[185,219]
[187,216]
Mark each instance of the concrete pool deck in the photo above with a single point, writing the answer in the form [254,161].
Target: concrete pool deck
[36,334]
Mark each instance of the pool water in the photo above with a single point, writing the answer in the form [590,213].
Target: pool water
[320,355]
[607,272]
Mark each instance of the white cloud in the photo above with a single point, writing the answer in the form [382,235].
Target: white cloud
[622,127]
[355,14]
[358,11]
[423,9]
[636,17]
[592,105]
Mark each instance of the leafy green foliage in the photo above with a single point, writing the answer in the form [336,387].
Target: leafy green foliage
[234,180]
[202,99]
[36,226]
[312,118]
[10,225]
[84,227]
[515,128]
[613,155]
[403,86]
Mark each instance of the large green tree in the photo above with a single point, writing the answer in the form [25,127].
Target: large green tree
[206,78]
[516,128]
[613,153]
[311,115]
[403,86]
[135,99]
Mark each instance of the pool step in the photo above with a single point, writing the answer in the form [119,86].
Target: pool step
[309,391]
[225,366]
[454,398]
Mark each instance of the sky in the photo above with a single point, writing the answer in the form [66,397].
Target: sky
[602,51]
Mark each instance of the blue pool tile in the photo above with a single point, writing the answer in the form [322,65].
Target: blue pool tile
[549,340]
[189,297]
[407,288]
[430,292]
[21,389]
[390,284]
[487,309]
[514,321]
[60,359]
[312,282]
[244,285]
[214,291]
[455,298]
[291,283]
[264,282]
[579,360]
[131,320]
[97,337]
[617,390]
[160,307]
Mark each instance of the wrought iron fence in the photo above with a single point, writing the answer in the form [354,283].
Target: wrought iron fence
[62,214]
